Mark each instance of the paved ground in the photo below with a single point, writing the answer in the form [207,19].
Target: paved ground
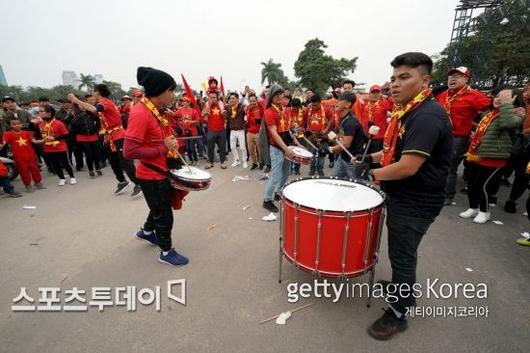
[82,236]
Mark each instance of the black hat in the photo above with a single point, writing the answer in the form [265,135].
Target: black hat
[8,98]
[155,82]
[347,96]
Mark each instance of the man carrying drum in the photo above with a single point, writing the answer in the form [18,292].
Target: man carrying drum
[415,164]
[351,135]
[149,139]
[279,138]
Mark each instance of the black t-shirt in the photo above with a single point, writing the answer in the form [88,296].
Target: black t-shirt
[427,132]
[350,126]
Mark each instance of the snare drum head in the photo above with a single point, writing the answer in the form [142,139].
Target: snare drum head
[191,173]
[332,195]
[302,152]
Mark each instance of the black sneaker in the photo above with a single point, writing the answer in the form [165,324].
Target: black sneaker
[13,193]
[91,174]
[311,172]
[320,173]
[136,191]
[506,182]
[267,169]
[254,166]
[276,197]
[510,207]
[331,164]
[464,190]
[449,202]
[121,186]
[99,173]
[270,206]
[387,326]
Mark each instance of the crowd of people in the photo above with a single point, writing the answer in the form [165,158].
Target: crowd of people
[404,135]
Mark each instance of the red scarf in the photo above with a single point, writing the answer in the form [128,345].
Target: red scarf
[396,122]
[449,99]
[480,132]
[163,122]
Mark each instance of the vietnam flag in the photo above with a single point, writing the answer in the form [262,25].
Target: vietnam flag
[189,93]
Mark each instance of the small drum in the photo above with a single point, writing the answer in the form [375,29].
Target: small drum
[331,227]
[190,179]
[301,155]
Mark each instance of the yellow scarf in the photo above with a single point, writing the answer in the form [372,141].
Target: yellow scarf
[163,122]
[49,133]
[482,127]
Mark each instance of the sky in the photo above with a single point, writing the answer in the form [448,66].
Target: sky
[40,39]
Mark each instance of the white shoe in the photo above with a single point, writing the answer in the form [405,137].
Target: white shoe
[245,165]
[482,217]
[469,213]
[236,163]
[62,182]
[73,181]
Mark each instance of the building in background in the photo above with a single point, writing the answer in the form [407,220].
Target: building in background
[70,79]
[3,81]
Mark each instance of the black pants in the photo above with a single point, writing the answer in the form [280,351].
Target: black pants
[480,184]
[521,179]
[405,233]
[216,138]
[119,164]
[59,161]
[75,148]
[92,153]
[157,194]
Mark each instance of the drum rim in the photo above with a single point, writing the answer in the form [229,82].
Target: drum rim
[305,157]
[189,179]
[316,177]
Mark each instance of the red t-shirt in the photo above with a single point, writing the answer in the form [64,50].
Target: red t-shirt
[20,144]
[464,109]
[276,118]
[143,127]
[216,121]
[376,113]
[110,118]
[187,116]
[55,128]
[317,119]
[254,116]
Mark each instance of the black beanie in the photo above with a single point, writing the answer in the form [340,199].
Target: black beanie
[154,82]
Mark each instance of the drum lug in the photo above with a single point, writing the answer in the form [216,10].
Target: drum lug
[347,215]
[296,231]
[319,233]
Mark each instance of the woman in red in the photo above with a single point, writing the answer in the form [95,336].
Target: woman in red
[189,119]
[254,115]
[54,134]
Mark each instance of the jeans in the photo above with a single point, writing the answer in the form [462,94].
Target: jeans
[405,233]
[191,149]
[158,194]
[216,138]
[235,137]
[280,169]
[460,146]
[6,185]
[120,164]
[343,169]
[317,163]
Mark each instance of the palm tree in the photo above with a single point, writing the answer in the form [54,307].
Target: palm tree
[87,81]
[272,72]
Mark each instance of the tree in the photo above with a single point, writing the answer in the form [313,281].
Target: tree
[273,73]
[318,71]
[497,52]
[115,89]
[87,81]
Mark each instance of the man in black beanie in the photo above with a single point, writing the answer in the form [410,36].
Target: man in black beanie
[149,140]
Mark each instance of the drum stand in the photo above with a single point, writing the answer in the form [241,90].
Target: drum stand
[372,270]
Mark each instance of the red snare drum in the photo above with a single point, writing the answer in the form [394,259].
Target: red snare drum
[190,179]
[331,226]
[301,155]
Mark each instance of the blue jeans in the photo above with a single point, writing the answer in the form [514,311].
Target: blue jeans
[191,149]
[317,163]
[6,184]
[343,169]
[280,169]
[460,145]
[405,232]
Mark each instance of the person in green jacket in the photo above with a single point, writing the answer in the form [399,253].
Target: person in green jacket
[489,150]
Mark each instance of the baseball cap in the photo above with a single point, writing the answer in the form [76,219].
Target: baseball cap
[461,69]
[375,88]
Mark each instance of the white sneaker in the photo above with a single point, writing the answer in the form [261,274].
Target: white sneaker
[245,165]
[469,213]
[482,217]
[62,182]
[236,163]
[73,181]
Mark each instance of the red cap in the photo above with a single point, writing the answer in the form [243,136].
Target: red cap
[126,97]
[137,93]
[375,88]
[461,69]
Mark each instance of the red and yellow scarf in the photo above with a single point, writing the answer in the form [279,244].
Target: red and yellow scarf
[394,127]
[449,99]
[320,118]
[284,121]
[48,132]
[482,127]
[163,122]
[372,108]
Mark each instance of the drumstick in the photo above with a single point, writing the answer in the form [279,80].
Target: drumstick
[292,311]
[309,143]
[333,136]
[374,130]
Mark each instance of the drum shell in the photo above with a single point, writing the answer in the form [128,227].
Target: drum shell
[358,232]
